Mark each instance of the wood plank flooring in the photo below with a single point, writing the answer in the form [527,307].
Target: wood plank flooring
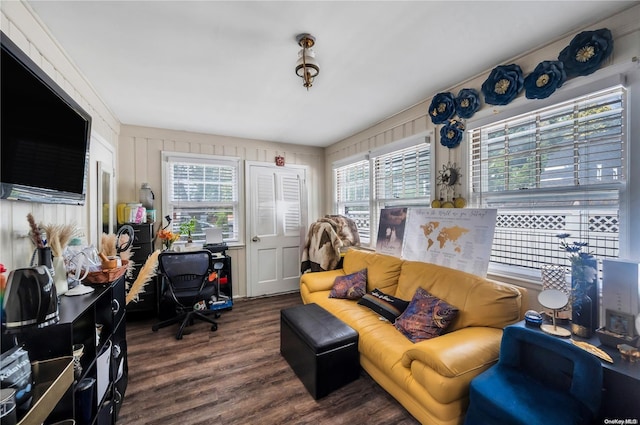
[236,376]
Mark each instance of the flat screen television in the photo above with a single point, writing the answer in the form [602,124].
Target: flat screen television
[44,136]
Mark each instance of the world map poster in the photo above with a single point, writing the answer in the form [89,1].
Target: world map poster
[459,238]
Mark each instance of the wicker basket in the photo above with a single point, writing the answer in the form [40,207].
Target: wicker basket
[106,276]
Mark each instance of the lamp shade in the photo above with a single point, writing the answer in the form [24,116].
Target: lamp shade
[307,67]
[307,59]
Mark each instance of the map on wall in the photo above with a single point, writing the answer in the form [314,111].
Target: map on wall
[459,238]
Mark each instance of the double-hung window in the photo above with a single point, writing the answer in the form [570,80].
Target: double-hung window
[399,177]
[555,170]
[204,188]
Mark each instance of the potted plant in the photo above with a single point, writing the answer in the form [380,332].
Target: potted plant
[187,228]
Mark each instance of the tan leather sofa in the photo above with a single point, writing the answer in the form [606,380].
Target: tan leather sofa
[429,378]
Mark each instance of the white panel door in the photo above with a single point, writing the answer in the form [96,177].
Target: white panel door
[276,222]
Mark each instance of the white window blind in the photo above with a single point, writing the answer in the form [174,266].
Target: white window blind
[555,170]
[403,175]
[205,189]
[352,185]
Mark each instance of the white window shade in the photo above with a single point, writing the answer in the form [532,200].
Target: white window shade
[575,149]
[403,174]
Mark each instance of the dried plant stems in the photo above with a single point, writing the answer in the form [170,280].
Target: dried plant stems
[147,272]
[108,244]
[58,236]
[36,236]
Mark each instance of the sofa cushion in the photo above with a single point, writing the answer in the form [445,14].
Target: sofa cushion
[352,286]
[383,270]
[481,302]
[426,317]
[385,305]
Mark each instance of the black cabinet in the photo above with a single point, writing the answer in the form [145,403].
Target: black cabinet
[141,249]
[97,321]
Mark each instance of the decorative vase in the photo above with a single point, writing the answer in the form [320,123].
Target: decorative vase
[146,196]
[45,257]
[60,275]
[581,316]
[555,277]
[584,288]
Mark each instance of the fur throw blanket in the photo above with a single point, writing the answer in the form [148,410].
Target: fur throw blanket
[324,240]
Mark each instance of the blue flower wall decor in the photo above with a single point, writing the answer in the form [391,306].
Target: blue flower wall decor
[544,80]
[442,108]
[586,52]
[467,103]
[503,85]
[451,133]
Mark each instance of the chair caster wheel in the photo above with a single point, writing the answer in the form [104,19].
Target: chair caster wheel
[178,337]
[154,328]
[214,328]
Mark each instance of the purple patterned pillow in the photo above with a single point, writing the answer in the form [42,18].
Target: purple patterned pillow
[426,317]
[352,286]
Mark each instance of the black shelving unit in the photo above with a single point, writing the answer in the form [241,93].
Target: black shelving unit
[105,353]
[225,282]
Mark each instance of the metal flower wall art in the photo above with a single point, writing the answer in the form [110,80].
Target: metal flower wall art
[586,52]
[467,103]
[503,85]
[451,133]
[583,56]
[442,108]
[544,80]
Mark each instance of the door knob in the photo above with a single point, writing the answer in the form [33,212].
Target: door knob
[255,239]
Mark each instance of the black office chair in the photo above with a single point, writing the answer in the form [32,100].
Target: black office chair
[188,282]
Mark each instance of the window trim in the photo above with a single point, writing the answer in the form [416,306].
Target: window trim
[586,88]
[237,162]
[370,156]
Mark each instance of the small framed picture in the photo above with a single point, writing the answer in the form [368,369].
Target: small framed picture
[620,323]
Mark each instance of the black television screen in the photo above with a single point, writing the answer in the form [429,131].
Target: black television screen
[44,134]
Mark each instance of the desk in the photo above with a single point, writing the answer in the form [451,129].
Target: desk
[620,382]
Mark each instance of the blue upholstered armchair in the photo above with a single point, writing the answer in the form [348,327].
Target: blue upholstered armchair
[539,379]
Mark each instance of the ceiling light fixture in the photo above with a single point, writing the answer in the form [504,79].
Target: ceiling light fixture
[307,67]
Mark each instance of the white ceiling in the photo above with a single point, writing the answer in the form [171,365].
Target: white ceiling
[227,67]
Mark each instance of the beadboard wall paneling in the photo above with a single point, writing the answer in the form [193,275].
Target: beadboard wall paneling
[24,28]
[139,161]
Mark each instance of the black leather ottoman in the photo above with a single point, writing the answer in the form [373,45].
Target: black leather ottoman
[320,348]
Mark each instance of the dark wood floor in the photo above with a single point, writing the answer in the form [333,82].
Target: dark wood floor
[236,376]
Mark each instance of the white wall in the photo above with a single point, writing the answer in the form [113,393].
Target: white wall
[139,161]
[25,29]
[625,60]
